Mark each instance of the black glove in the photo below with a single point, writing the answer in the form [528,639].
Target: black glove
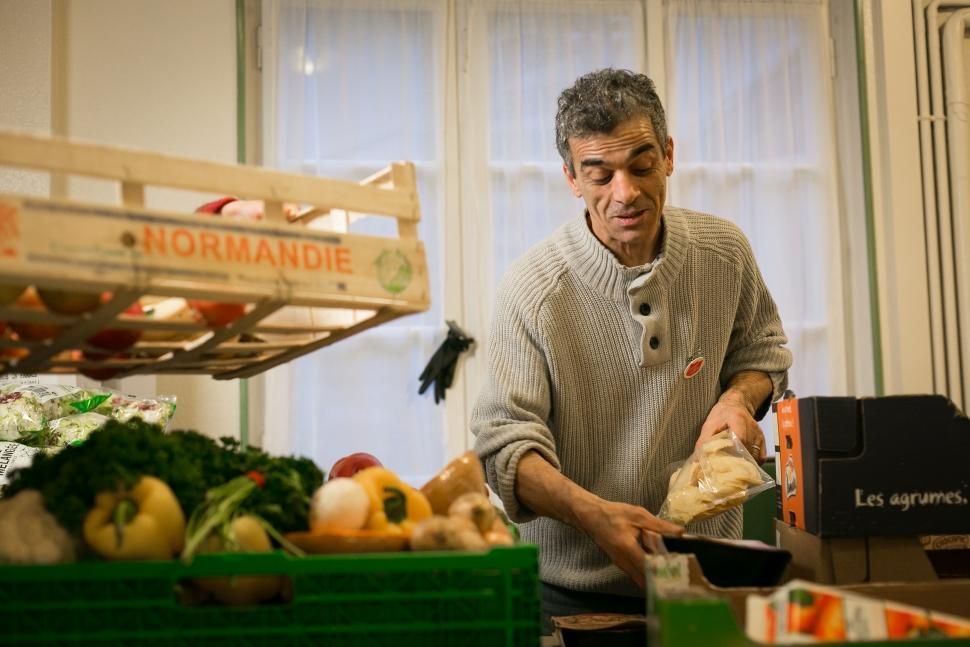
[441,367]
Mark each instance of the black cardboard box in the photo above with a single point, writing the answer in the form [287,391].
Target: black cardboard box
[888,466]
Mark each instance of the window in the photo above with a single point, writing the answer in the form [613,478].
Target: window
[466,89]
[751,113]
[350,86]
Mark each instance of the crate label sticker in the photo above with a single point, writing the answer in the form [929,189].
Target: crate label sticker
[47,392]
[9,230]
[393,271]
[669,572]
[14,456]
[18,378]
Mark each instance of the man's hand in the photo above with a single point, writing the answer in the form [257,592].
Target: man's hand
[625,533]
[735,410]
[620,529]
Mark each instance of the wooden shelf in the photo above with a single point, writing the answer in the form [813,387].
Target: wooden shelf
[306,287]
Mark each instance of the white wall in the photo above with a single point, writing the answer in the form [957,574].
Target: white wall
[25,81]
[139,73]
[897,197]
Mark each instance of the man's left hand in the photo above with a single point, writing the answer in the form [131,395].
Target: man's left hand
[733,414]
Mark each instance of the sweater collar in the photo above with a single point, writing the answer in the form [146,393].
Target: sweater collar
[599,269]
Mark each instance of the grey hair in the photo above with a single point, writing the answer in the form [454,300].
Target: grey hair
[599,101]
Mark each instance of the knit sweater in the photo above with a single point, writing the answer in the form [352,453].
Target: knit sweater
[586,366]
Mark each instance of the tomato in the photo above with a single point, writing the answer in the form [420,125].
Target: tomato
[216,314]
[117,339]
[100,373]
[11,352]
[33,331]
[69,303]
[350,465]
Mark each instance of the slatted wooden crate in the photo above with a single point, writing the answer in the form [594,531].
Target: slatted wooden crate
[306,287]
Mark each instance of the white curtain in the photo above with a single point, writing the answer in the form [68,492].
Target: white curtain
[349,86]
[521,55]
[467,90]
[516,59]
[751,113]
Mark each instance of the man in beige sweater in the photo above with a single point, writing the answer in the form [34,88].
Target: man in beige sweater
[628,337]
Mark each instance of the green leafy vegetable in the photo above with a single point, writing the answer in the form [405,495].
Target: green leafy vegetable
[118,454]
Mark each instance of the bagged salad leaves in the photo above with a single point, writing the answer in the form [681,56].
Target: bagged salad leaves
[26,408]
[720,475]
[56,415]
[71,430]
[155,411]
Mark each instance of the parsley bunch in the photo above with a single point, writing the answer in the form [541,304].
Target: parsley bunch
[120,453]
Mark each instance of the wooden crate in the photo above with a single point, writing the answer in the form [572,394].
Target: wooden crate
[306,287]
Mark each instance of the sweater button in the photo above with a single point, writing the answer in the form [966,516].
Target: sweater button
[645,309]
[654,343]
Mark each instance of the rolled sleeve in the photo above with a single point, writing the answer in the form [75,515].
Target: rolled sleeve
[511,415]
[757,338]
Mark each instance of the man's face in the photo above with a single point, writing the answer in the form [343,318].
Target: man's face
[622,176]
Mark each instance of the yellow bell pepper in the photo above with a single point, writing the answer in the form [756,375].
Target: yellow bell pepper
[395,506]
[144,522]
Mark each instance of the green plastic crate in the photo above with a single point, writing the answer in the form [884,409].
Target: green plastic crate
[675,621]
[444,598]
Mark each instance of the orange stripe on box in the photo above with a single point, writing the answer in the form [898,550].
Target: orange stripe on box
[792,476]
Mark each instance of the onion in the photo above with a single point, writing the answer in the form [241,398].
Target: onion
[339,504]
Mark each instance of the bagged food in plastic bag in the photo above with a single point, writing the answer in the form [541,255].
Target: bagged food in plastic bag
[155,411]
[71,430]
[13,456]
[719,475]
[26,407]
[20,413]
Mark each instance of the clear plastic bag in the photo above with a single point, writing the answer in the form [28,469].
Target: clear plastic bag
[155,411]
[26,407]
[718,476]
[14,456]
[71,430]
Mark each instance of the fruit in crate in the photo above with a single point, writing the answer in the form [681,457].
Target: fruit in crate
[462,475]
[217,314]
[11,352]
[169,310]
[9,293]
[28,331]
[99,373]
[246,534]
[339,504]
[350,465]
[69,303]
[118,339]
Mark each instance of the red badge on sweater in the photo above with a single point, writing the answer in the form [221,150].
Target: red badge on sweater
[694,367]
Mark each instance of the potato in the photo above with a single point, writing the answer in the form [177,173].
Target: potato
[446,533]
[475,507]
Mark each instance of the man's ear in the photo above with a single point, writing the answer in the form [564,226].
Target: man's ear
[572,181]
[670,156]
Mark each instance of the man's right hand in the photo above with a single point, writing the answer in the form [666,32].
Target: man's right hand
[620,529]
[623,532]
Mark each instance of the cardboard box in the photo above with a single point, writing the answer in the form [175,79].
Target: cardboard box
[947,600]
[854,560]
[881,467]
[699,613]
